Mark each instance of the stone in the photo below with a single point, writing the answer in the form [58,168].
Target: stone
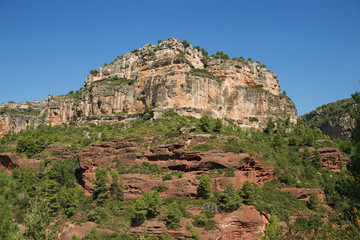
[161,81]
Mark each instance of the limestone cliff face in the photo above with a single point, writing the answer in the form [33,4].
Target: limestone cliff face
[164,76]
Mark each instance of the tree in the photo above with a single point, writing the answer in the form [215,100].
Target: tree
[205,123]
[100,191]
[31,145]
[8,196]
[68,200]
[218,125]
[117,186]
[36,219]
[49,194]
[228,199]
[269,127]
[205,188]
[313,202]
[248,192]
[173,215]
[317,160]
[29,182]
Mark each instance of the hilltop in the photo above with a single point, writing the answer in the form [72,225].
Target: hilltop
[169,75]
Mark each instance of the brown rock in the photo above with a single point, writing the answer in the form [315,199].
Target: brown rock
[332,159]
[244,223]
[304,193]
[162,80]
[69,229]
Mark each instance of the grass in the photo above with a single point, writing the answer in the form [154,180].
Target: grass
[205,73]
[117,81]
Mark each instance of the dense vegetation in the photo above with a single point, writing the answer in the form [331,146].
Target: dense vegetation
[328,112]
[41,199]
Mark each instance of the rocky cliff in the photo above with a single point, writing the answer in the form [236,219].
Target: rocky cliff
[168,75]
[333,119]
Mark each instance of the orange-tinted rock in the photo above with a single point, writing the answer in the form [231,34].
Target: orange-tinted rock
[66,232]
[162,79]
[244,223]
[9,161]
[332,159]
[304,193]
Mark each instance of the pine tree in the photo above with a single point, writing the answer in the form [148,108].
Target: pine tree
[100,191]
[173,216]
[205,188]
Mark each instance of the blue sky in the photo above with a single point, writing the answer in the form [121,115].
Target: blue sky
[48,47]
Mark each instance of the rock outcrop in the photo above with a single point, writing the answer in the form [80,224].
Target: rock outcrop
[167,75]
[191,163]
[333,119]
[244,223]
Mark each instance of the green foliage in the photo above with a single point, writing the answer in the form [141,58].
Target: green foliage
[204,189]
[115,80]
[248,192]
[8,197]
[273,230]
[232,145]
[253,119]
[117,186]
[220,55]
[161,188]
[313,202]
[317,159]
[64,172]
[160,41]
[204,53]
[31,145]
[328,112]
[218,125]
[204,221]
[229,200]
[37,219]
[172,216]
[101,190]
[205,73]
[206,123]
[49,194]
[271,200]
[146,207]
[203,147]
[185,43]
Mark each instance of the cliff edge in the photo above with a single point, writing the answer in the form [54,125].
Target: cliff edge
[168,75]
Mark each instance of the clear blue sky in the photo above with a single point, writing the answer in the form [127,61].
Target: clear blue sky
[49,46]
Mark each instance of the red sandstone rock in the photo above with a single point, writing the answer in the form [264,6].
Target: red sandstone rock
[304,193]
[80,231]
[244,223]
[332,159]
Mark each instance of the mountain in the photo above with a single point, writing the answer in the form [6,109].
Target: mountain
[169,75]
[333,119]
[166,143]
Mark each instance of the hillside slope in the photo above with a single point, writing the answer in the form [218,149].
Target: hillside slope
[332,119]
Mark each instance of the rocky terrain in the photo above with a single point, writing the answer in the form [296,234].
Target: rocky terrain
[333,119]
[245,223]
[168,75]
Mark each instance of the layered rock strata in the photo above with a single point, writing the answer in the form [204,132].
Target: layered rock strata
[164,76]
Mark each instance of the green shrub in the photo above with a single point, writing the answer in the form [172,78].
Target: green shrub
[232,145]
[253,119]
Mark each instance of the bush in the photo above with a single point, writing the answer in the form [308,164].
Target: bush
[205,188]
[232,145]
[172,216]
[31,145]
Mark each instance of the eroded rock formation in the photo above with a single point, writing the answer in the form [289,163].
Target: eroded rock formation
[160,77]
